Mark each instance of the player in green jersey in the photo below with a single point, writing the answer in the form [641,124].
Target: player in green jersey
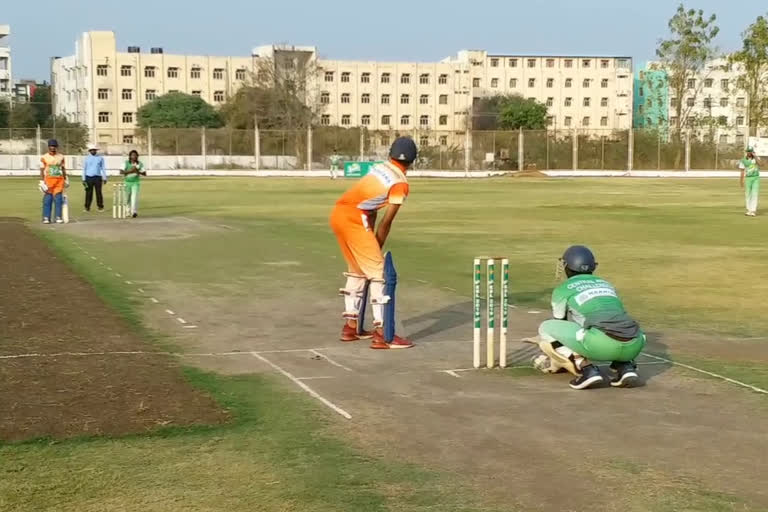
[750,181]
[590,324]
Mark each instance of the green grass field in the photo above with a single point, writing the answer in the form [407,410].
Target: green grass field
[681,253]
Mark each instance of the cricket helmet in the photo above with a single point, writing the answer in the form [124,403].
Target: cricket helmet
[750,149]
[403,150]
[53,142]
[579,260]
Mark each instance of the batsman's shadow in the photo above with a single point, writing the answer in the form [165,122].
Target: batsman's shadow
[439,321]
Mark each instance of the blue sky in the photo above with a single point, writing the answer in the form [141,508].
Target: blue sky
[424,30]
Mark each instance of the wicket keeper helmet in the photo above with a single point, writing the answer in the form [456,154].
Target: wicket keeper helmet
[579,260]
[403,150]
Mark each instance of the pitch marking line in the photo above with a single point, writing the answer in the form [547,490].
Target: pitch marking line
[711,374]
[154,300]
[334,363]
[181,320]
[170,312]
[309,390]
[140,290]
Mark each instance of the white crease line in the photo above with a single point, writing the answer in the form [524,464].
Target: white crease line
[422,281]
[190,327]
[154,300]
[334,363]
[140,290]
[449,289]
[128,282]
[181,320]
[169,312]
[711,374]
[303,386]
[315,378]
[452,373]
[534,312]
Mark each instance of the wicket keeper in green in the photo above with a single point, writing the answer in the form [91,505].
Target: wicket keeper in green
[750,181]
[590,324]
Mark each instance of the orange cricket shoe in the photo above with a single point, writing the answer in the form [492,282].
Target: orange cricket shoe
[378,342]
[349,334]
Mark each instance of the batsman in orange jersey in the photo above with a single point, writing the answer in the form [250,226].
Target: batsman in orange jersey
[353,221]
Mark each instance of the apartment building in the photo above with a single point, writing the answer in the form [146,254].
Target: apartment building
[6,77]
[651,100]
[104,88]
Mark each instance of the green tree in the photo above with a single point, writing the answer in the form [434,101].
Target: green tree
[518,112]
[73,137]
[178,110]
[42,104]
[22,116]
[752,61]
[5,114]
[684,55]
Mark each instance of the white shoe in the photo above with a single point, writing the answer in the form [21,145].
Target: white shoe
[59,221]
[46,220]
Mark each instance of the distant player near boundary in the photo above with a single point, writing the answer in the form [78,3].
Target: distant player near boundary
[335,163]
[353,221]
[750,181]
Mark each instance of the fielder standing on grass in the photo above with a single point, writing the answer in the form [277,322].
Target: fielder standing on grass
[750,181]
[133,170]
[353,221]
[53,181]
[590,324]
[335,163]
[94,176]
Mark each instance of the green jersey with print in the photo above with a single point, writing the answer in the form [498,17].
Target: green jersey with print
[133,177]
[591,301]
[751,169]
[335,161]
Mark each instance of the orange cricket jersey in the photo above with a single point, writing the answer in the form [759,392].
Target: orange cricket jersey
[384,184]
[53,165]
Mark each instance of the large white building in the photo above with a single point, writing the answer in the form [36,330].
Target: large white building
[6,76]
[103,88]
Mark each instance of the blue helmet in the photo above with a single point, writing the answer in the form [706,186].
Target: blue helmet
[579,260]
[53,142]
[403,150]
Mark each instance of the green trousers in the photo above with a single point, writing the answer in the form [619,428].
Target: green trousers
[592,343]
[752,192]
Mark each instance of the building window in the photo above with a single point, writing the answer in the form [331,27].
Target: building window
[424,141]
[424,121]
[240,74]
[585,83]
[365,98]
[740,121]
[345,97]
[708,82]
[568,63]
[197,93]
[443,120]
[385,120]
[345,77]
[346,119]
[329,76]
[424,79]
[173,91]
[585,121]
[101,70]
[218,74]
[405,120]
[724,84]
[494,82]
[218,96]
[325,98]
[531,82]
[740,140]
[531,63]
[513,83]
[365,120]
[691,83]
[707,102]
[103,117]
[365,78]
[494,63]
[173,72]
[385,78]
[605,63]
[405,99]
[150,94]
[550,102]
[126,71]
[673,102]
[640,91]
[443,140]
[587,102]
[384,140]
[724,102]
[103,94]
[550,63]
[723,139]
[603,102]
[722,120]
[550,82]
[325,120]
[567,121]
[127,94]
[689,102]
[385,99]
[568,102]
[604,83]
[513,63]
[405,78]
[585,63]
[604,121]
[442,79]
[623,63]
[673,121]
[740,102]
[475,82]
[550,120]
[424,99]
[127,139]
[195,72]
[568,82]
[149,72]
[443,100]
[127,117]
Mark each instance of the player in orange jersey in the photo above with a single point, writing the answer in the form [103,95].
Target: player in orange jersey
[353,220]
[53,180]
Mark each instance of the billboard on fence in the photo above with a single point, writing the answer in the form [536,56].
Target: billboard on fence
[357,169]
[760,145]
